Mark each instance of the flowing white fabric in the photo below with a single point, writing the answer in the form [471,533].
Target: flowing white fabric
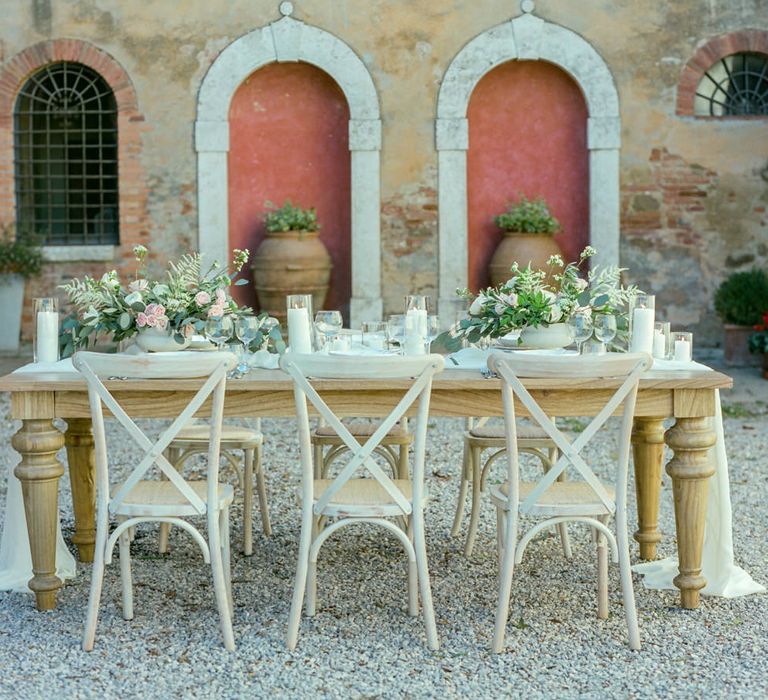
[15,556]
[724,578]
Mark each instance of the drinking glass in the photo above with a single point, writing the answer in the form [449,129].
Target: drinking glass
[605,329]
[266,327]
[246,330]
[395,330]
[581,323]
[328,324]
[375,335]
[218,329]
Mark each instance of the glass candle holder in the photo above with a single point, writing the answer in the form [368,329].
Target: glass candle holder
[46,330]
[299,317]
[416,324]
[682,346]
[642,311]
[661,340]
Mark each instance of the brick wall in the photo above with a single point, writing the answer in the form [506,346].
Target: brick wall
[134,222]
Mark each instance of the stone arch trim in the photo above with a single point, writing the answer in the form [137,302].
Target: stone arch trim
[526,37]
[705,56]
[291,40]
[130,123]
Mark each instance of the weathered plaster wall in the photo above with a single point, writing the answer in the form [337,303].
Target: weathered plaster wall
[692,192]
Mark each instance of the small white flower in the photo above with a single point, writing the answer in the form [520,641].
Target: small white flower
[581,284]
[477,305]
[109,279]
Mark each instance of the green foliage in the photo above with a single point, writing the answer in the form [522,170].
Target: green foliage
[528,216]
[758,341]
[290,218]
[19,255]
[743,297]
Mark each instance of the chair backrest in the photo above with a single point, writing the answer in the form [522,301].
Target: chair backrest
[417,370]
[97,367]
[623,370]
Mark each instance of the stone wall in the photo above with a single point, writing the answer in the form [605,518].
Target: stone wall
[693,191]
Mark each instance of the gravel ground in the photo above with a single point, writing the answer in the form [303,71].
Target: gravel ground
[362,644]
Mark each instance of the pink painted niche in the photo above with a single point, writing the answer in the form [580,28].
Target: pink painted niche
[527,133]
[289,125]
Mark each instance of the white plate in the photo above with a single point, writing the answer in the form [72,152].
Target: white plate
[513,346]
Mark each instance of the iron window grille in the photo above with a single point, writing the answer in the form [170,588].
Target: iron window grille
[65,150]
[737,85]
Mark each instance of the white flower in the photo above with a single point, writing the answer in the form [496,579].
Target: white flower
[511,282]
[138,285]
[477,305]
[555,313]
[133,298]
[109,279]
[580,284]
[91,315]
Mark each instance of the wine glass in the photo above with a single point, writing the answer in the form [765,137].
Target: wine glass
[433,328]
[267,325]
[246,330]
[218,329]
[581,323]
[605,328]
[328,323]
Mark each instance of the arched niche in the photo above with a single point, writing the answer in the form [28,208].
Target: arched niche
[289,40]
[526,37]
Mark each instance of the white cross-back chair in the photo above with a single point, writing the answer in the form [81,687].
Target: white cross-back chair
[479,436]
[347,498]
[138,499]
[584,497]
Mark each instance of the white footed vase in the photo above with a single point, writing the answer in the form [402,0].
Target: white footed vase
[159,340]
[555,335]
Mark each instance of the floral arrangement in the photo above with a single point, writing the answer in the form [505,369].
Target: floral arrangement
[533,298]
[758,341]
[19,255]
[528,216]
[180,303]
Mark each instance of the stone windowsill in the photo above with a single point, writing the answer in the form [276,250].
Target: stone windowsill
[79,253]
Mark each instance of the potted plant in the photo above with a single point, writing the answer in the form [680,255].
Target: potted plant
[20,258]
[291,259]
[758,342]
[740,301]
[528,228]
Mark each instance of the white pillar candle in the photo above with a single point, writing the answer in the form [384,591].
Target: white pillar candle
[415,340]
[298,331]
[47,338]
[642,330]
[682,351]
[659,345]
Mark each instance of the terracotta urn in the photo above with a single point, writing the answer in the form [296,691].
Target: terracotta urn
[736,346]
[523,248]
[290,262]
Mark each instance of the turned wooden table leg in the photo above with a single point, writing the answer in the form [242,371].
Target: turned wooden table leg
[690,469]
[37,442]
[82,469]
[647,456]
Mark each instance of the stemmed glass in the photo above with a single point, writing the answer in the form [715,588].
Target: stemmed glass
[328,323]
[433,328]
[605,329]
[266,327]
[246,330]
[218,329]
[581,323]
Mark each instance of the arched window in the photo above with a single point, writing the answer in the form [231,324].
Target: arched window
[65,152]
[736,85]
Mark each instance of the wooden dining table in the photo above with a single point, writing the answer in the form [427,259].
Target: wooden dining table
[687,396]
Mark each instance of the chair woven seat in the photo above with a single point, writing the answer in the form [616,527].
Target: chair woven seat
[162,498]
[363,429]
[572,497]
[496,432]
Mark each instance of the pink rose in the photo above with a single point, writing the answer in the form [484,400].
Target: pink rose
[202,298]
[141,319]
[151,320]
[221,297]
[162,322]
[215,310]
